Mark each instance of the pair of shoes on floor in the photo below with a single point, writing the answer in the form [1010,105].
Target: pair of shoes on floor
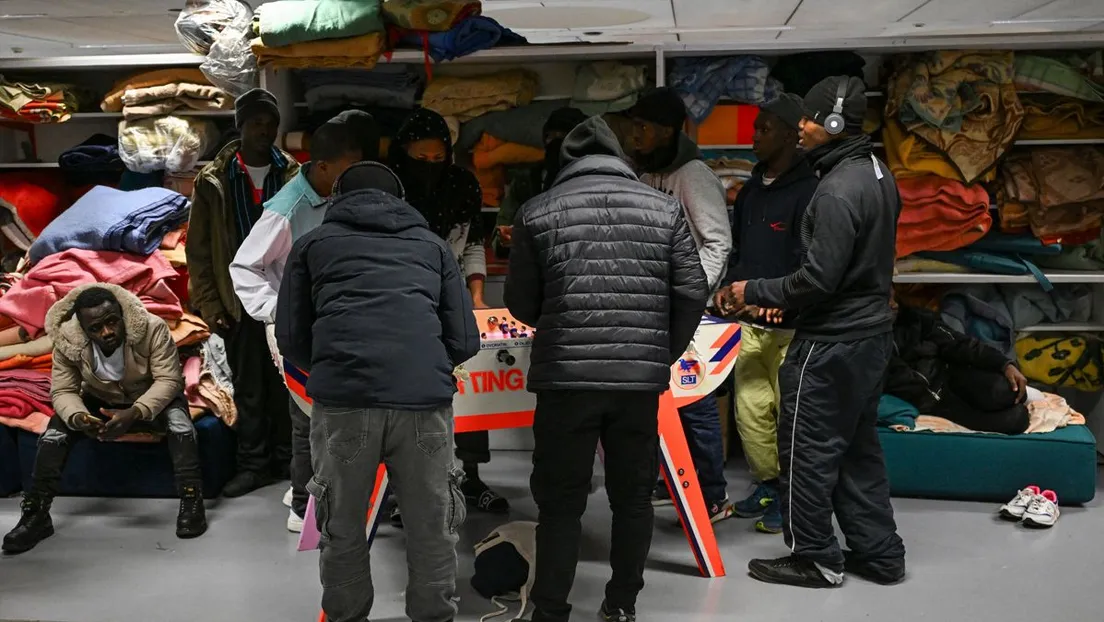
[287,498]
[765,504]
[294,522]
[802,572]
[718,511]
[480,497]
[1034,508]
[244,483]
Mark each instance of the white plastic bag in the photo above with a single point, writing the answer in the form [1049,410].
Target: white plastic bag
[201,21]
[230,63]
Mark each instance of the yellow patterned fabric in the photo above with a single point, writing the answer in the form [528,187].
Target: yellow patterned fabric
[1061,360]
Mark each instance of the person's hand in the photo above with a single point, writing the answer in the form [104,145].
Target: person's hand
[219,323]
[119,422]
[771,316]
[733,300]
[505,234]
[1017,381]
[719,301]
[85,422]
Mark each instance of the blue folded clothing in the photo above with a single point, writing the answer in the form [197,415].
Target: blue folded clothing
[468,37]
[106,219]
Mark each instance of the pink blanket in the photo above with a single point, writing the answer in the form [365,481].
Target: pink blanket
[27,302]
[25,400]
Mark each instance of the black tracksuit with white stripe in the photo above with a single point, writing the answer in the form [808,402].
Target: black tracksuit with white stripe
[832,378]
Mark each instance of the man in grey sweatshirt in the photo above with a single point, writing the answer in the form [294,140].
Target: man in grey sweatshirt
[667,160]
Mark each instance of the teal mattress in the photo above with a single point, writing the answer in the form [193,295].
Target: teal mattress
[990,467]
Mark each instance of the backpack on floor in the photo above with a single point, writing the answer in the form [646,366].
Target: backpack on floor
[505,563]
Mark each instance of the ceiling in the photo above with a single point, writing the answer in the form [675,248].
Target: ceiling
[36,28]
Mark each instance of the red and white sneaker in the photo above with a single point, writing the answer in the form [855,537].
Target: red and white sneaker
[1014,509]
[1043,511]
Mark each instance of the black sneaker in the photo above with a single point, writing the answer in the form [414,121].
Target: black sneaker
[191,521]
[792,570]
[606,614]
[882,574]
[480,497]
[33,527]
[244,483]
[396,517]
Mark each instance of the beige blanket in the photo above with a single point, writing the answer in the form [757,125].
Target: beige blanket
[156,101]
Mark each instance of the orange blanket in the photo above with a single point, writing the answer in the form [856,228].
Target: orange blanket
[940,215]
[491,151]
[362,52]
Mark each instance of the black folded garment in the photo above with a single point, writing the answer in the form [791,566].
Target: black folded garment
[95,161]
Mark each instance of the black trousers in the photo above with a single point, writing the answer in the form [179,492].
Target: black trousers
[264,426]
[982,401]
[301,469]
[830,457]
[175,422]
[473,447]
[567,428]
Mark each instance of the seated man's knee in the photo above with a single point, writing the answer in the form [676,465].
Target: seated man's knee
[179,421]
[54,435]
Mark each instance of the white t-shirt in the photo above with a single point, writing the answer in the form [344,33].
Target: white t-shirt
[257,174]
[107,368]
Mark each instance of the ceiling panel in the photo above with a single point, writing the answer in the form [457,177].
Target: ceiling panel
[1066,9]
[729,38]
[813,13]
[87,8]
[719,13]
[118,30]
[972,12]
[582,14]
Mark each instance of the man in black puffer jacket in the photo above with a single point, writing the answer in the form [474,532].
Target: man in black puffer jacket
[830,457]
[373,305]
[606,270]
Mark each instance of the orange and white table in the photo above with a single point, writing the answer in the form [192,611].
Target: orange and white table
[492,396]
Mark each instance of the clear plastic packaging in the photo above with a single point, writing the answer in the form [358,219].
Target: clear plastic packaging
[173,144]
[230,63]
[201,21]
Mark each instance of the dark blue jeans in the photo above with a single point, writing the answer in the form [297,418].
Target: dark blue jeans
[701,422]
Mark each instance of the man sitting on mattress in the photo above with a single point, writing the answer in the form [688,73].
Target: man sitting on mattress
[115,371]
[945,373]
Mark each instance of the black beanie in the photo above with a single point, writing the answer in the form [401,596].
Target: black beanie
[662,106]
[254,102]
[787,107]
[364,127]
[369,176]
[822,98]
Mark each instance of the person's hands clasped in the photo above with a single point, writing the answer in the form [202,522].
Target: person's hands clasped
[731,300]
[1017,381]
[119,422]
[219,323]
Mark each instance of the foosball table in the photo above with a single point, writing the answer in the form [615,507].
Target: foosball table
[491,395]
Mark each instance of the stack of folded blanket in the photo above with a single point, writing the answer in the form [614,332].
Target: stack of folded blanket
[1054,191]
[318,33]
[389,86]
[114,220]
[702,82]
[163,91]
[940,214]
[29,102]
[1053,117]
[468,36]
[25,399]
[607,86]
[94,161]
[468,98]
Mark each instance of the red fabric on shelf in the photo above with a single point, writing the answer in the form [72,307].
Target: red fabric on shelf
[939,214]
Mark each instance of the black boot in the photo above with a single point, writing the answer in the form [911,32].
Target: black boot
[191,522]
[792,570]
[33,527]
[244,483]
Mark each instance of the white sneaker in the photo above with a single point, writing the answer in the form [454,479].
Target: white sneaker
[294,523]
[1043,511]
[1014,509]
[287,498]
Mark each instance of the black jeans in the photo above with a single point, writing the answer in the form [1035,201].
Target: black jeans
[831,458]
[301,469]
[473,447]
[264,426]
[983,401]
[567,428]
[174,422]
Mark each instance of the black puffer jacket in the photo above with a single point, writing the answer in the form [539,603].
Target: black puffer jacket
[373,305]
[606,270]
[924,348]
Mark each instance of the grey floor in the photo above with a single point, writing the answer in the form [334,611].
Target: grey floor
[115,560]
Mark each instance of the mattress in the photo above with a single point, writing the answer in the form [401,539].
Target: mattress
[991,467]
[136,469]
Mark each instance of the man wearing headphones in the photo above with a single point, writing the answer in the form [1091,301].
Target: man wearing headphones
[830,384]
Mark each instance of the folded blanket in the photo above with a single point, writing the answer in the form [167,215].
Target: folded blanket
[1044,73]
[607,86]
[327,96]
[27,302]
[940,215]
[42,362]
[430,15]
[113,101]
[37,347]
[491,152]
[1053,118]
[523,125]
[189,330]
[467,37]
[24,392]
[175,144]
[114,220]
[286,22]
[961,102]
[48,102]
[1060,190]
[468,98]
[702,82]
[164,99]
[362,52]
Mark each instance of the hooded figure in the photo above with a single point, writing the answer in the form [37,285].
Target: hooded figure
[605,269]
[450,200]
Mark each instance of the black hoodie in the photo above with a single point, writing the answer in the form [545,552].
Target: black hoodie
[766,221]
[374,307]
[848,233]
[604,267]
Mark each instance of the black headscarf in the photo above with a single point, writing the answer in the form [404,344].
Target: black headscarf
[447,195]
